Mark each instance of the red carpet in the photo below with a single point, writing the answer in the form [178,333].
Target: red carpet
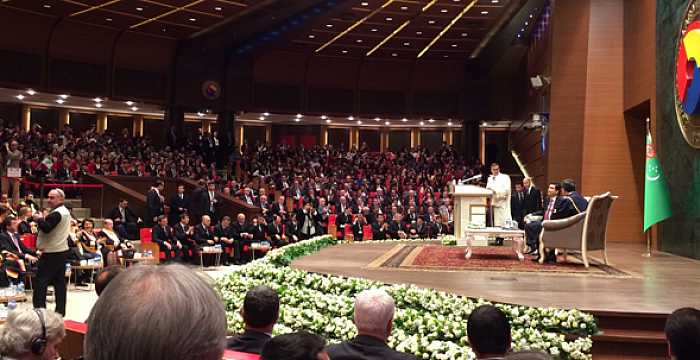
[501,259]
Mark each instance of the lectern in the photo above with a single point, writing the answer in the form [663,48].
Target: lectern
[470,204]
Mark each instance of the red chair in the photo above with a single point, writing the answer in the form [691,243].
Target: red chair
[367,232]
[145,235]
[331,219]
[29,240]
[235,355]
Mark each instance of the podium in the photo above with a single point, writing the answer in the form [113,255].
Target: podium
[470,204]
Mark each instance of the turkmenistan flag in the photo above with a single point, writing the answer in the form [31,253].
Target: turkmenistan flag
[657,202]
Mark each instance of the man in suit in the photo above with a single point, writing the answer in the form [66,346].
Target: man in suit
[293,229]
[437,228]
[418,230]
[517,205]
[203,235]
[489,332]
[17,256]
[396,228]
[125,221]
[276,232]
[162,234]
[380,229]
[576,203]
[553,203]
[242,235]
[280,208]
[184,233]
[358,227]
[179,204]
[533,197]
[260,313]
[198,202]
[223,234]
[373,318]
[154,203]
[211,201]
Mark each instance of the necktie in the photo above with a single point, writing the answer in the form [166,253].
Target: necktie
[14,239]
[550,208]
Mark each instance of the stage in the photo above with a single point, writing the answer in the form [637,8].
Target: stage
[656,285]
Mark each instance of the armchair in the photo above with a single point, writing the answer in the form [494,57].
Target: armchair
[582,232]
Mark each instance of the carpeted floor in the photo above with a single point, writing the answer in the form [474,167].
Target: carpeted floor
[499,259]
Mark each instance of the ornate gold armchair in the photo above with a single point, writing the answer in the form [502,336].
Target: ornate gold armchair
[583,232]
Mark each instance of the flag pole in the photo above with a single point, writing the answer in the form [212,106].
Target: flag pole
[647,233]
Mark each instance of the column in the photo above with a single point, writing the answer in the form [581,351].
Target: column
[137,126]
[384,139]
[63,118]
[324,135]
[206,126]
[268,134]
[101,123]
[26,118]
[415,137]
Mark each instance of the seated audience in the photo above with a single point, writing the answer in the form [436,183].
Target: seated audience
[76,254]
[223,235]
[488,330]
[25,221]
[31,334]
[17,257]
[157,312]
[162,234]
[113,243]
[276,232]
[296,346]
[683,334]
[242,235]
[260,312]
[88,237]
[105,276]
[373,317]
[184,233]
[125,221]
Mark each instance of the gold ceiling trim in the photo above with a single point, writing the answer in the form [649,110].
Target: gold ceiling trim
[205,13]
[447,28]
[229,2]
[397,30]
[91,8]
[356,24]
[166,14]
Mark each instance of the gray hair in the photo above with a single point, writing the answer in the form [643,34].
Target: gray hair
[158,313]
[60,193]
[374,310]
[23,326]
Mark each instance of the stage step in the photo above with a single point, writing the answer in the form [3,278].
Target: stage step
[81,213]
[633,336]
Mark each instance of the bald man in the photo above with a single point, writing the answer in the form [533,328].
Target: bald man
[52,249]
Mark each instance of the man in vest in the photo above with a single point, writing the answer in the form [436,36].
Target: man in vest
[52,249]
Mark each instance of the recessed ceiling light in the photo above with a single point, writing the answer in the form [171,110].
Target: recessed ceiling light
[108,19]
[297,120]
[374,30]
[64,96]
[484,12]
[312,36]
[494,1]
[407,43]
[449,123]
[193,19]
[129,103]
[419,33]
[47,6]
[358,41]
[422,123]
[344,51]
[377,119]
[359,122]
[139,9]
[389,19]
[456,0]
[404,119]
[364,3]
[464,34]
[445,56]
[527,23]
[20,97]
[387,123]
[134,108]
[351,118]
[266,114]
[164,30]
[60,101]
[200,114]
[299,116]
[431,120]
[394,54]
[328,121]
[443,11]
[329,25]
[530,16]
[31,92]
[261,118]
[404,8]
[324,117]
[97,100]
[454,45]
[98,105]
[218,8]
[431,22]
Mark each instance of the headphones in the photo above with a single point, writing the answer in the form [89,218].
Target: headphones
[38,345]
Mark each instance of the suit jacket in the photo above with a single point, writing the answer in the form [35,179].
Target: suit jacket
[533,200]
[250,342]
[258,232]
[436,229]
[274,231]
[571,205]
[422,231]
[198,202]
[517,207]
[116,216]
[220,232]
[176,203]
[6,244]
[292,229]
[394,228]
[207,204]
[24,228]
[379,232]
[182,236]
[365,348]
[154,205]
[160,235]
[201,235]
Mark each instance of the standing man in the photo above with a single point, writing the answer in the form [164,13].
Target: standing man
[154,203]
[499,184]
[533,197]
[211,201]
[52,249]
[517,205]
[179,204]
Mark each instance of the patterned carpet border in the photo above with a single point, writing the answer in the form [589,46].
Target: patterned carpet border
[429,257]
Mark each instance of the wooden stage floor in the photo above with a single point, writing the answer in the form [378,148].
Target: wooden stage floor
[666,282]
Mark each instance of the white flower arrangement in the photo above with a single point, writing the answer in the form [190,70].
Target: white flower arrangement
[429,324]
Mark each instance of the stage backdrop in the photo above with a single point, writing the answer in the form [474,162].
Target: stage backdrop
[680,234]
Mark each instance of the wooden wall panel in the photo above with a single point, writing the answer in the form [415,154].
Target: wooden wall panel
[569,51]
[82,42]
[640,49]
[607,159]
[34,30]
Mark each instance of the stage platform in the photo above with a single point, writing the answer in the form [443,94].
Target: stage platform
[658,285]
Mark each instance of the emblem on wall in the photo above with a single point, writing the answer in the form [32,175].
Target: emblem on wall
[687,98]
[211,90]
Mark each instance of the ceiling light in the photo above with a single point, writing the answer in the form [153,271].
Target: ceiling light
[527,23]
[530,16]
[374,30]
[494,1]
[324,117]
[431,22]
[139,9]
[419,33]
[312,36]
[200,114]
[364,3]
[129,103]
[431,120]
[98,105]
[389,19]
[193,19]
[484,12]
[344,51]
[20,97]
[445,56]
[407,43]
[394,54]
[31,92]
[329,25]
[454,45]
[464,34]
[351,118]
[377,119]
[387,123]
[108,19]
[47,6]
[449,123]
[404,8]
[218,8]
[358,41]
[444,11]
[297,120]
[422,123]
[328,121]
[97,100]
[359,122]
[404,119]
[484,123]
[299,116]
[134,108]
[164,30]
[266,114]
[64,96]
[60,101]
[261,118]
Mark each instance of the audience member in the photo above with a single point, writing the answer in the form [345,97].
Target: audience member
[125,221]
[528,355]
[17,256]
[488,331]
[31,334]
[157,312]
[683,334]
[105,276]
[300,345]
[260,312]
[163,235]
[373,317]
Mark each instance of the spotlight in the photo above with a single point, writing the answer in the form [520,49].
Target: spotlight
[129,103]
[20,97]
[64,96]
[31,92]
[134,108]
[60,101]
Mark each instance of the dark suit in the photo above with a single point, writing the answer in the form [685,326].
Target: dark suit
[436,229]
[24,228]
[366,348]
[380,232]
[161,236]
[358,230]
[221,232]
[211,209]
[517,207]
[189,247]
[126,227]
[154,207]
[198,204]
[292,230]
[19,250]
[533,229]
[202,235]
[178,206]
[533,200]
[250,342]
[394,228]
[275,232]
[574,203]
[421,231]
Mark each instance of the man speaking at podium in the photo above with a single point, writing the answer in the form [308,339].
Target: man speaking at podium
[500,202]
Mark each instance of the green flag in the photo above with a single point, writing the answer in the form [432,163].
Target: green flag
[657,202]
